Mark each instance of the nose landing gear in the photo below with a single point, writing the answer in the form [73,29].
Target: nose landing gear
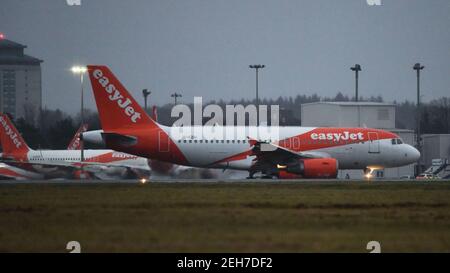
[370,171]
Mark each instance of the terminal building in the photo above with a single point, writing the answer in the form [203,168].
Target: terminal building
[359,114]
[20,81]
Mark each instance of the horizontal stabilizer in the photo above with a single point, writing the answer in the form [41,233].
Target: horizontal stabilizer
[119,139]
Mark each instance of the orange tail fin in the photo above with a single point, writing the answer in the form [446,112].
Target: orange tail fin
[12,141]
[75,143]
[116,107]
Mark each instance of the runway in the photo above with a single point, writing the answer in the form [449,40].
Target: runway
[220,181]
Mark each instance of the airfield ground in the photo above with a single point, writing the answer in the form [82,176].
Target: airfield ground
[333,216]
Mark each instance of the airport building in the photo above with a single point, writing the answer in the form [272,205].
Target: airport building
[435,146]
[20,81]
[359,114]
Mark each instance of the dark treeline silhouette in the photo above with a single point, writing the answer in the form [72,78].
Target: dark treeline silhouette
[54,128]
[290,108]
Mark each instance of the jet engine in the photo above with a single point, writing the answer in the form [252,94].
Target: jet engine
[312,168]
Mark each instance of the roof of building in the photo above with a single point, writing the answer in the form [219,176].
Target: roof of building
[5,43]
[435,135]
[398,130]
[16,57]
[351,103]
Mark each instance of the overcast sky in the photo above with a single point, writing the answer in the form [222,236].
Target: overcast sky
[203,48]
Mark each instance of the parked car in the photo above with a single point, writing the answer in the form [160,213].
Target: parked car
[427,176]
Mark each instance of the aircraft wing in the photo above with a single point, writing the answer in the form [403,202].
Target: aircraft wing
[67,169]
[6,173]
[93,164]
[273,150]
[10,172]
[270,155]
[5,176]
[49,169]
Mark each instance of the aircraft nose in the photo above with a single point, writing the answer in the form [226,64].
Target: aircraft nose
[413,154]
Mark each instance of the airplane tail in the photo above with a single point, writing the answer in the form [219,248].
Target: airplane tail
[116,107]
[12,141]
[75,143]
[126,126]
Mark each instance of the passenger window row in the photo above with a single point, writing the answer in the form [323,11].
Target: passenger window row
[282,143]
[58,159]
[212,141]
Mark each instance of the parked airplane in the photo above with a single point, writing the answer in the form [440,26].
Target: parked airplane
[309,152]
[100,164]
[10,172]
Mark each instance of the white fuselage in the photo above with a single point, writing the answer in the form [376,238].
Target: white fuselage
[381,150]
[105,164]
[202,152]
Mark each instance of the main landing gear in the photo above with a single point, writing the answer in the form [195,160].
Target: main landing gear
[264,176]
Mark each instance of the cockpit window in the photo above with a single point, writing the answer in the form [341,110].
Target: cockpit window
[396,141]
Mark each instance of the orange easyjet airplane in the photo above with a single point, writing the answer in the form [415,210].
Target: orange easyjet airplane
[10,172]
[309,152]
[22,162]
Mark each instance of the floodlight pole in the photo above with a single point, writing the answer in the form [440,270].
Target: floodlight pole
[175,96]
[81,70]
[257,67]
[146,93]
[356,68]
[418,67]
